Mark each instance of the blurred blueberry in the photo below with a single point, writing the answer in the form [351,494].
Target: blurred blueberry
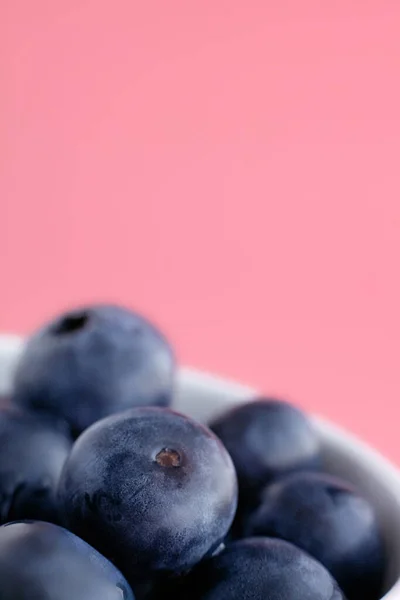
[329,519]
[33,451]
[41,561]
[93,362]
[258,569]
[266,439]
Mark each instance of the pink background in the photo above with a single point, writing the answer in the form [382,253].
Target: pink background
[232,167]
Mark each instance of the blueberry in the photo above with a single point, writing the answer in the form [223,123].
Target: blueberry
[5,402]
[41,561]
[329,519]
[259,569]
[151,489]
[93,362]
[266,439]
[33,452]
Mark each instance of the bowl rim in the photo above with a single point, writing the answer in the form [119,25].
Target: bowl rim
[329,430]
[334,435]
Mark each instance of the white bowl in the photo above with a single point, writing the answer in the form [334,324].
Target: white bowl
[204,396]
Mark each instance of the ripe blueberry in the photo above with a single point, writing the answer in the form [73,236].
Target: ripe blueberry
[151,489]
[266,439]
[33,452]
[93,362]
[259,569]
[41,561]
[329,519]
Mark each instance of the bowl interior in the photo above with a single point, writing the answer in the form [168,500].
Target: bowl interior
[204,397]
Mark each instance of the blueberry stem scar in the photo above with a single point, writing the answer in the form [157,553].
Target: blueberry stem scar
[167,457]
[71,323]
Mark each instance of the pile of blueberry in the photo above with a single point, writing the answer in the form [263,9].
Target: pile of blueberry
[108,494]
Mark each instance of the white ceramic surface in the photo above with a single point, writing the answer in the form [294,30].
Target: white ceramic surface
[204,396]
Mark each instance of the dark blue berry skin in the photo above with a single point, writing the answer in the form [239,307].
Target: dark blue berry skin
[5,402]
[267,439]
[93,362]
[151,489]
[259,569]
[33,451]
[331,521]
[41,561]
